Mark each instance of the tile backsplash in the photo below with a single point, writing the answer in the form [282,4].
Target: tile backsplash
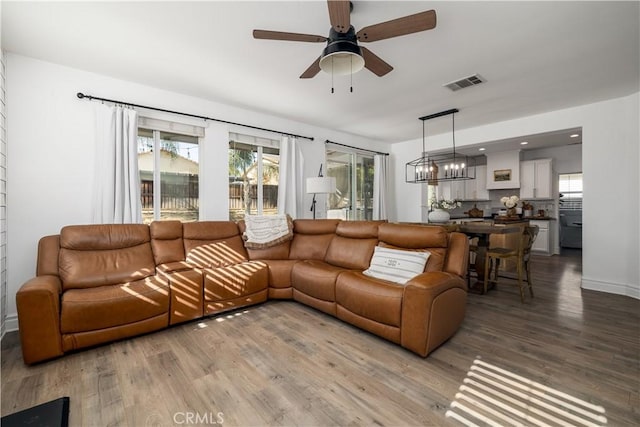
[493,206]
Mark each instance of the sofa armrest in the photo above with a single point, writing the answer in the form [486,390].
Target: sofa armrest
[457,260]
[433,307]
[38,304]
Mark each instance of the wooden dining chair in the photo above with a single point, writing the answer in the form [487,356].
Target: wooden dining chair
[522,256]
[473,251]
[471,268]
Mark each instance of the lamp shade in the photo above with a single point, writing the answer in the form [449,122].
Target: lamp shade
[321,185]
[342,58]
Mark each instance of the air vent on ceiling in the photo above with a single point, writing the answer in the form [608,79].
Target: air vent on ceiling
[466,82]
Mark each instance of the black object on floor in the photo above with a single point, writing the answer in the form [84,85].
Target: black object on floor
[50,414]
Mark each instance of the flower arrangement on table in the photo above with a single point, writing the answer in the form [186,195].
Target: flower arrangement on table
[445,204]
[510,203]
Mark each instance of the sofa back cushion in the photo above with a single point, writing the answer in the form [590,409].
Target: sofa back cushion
[213,244]
[48,253]
[435,240]
[98,255]
[166,241]
[311,238]
[353,244]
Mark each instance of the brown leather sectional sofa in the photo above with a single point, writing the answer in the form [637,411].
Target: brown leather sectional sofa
[100,283]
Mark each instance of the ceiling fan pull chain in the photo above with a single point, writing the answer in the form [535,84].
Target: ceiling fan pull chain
[332,75]
[351,83]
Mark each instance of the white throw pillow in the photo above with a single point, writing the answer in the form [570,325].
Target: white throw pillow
[396,265]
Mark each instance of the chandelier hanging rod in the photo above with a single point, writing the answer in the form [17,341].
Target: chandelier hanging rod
[440,114]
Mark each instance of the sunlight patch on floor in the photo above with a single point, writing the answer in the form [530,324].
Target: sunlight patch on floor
[222,318]
[493,396]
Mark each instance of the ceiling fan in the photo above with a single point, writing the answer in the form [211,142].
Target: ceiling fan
[343,55]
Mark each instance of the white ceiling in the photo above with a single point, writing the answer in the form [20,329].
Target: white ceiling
[535,56]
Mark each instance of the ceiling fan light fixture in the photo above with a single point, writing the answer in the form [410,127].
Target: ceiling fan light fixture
[342,58]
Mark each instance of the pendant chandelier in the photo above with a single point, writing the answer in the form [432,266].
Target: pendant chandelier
[449,166]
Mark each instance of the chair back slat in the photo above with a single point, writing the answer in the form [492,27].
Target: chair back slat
[529,235]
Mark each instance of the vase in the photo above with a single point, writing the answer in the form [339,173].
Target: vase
[512,212]
[439,216]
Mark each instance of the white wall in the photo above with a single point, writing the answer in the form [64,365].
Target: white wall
[610,158]
[51,152]
[3,200]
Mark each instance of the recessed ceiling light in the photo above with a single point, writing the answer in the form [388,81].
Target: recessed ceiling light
[575,135]
[524,143]
[481,149]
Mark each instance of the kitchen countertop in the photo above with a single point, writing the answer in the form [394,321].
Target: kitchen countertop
[469,217]
[488,218]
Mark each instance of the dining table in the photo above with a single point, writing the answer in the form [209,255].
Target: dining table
[482,231]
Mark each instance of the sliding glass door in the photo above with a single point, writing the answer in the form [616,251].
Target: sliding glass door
[353,199]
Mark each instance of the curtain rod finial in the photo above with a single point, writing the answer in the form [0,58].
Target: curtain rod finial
[80,95]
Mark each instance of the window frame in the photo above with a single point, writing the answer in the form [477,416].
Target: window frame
[259,144]
[355,159]
[157,127]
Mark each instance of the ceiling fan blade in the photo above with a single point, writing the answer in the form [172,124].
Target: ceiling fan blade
[339,15]
[398,27]
[374,63]
[312,70]
[294,37]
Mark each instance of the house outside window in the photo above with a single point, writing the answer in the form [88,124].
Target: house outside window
[254,171]
[169,168]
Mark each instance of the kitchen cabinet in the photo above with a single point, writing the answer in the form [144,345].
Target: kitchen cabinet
[470,189]
[543,241]
[536,179]
[451,190]
[476,189]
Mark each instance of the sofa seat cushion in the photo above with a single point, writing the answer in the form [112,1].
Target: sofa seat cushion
[316,279]
[280,272]
[172,267]
[374,299]
[113,305]
[233,281]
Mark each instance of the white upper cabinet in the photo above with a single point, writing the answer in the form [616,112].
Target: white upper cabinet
[476,189]
[469,189]
[451,190]
[536,179]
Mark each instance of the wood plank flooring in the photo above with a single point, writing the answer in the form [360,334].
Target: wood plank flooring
[282,363]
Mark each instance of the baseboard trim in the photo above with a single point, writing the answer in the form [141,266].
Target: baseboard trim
[11,323]
[611,288]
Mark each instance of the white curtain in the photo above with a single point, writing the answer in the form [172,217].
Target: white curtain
[290,183]
[117,182]
[380,186]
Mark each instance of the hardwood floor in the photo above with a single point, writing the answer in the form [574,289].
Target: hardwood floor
[282,363]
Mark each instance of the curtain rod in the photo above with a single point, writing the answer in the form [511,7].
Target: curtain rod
[81,95]
[355,148]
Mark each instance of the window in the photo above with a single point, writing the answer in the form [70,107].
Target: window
[353,171]
[254,170]
[169,171]
[570,188]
